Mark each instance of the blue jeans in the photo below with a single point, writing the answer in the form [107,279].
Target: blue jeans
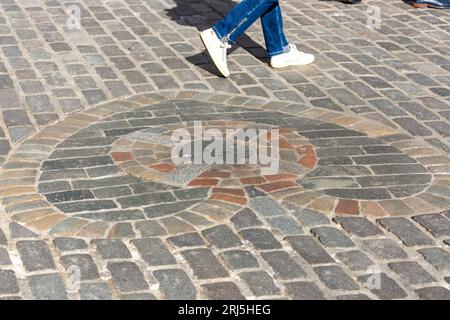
[245,14]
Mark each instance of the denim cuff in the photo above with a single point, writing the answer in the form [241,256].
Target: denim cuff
[221,37]
[284,50]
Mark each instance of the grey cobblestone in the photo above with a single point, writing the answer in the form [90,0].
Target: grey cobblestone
[304,291]
[433,293]
[19,232]
[335,278]
[95,291]
[245,218]
[222,237]
[112,249]
[260,283]
[406,231]
[47,287]
[204,264]
[384,249]
[261,239]
[411,272]
[8,282]
[285,226]
[358,226]
[309,249]
[85,263]
[353,297]
[3,240]
[175,284]
[222,291]
[310,217]
[240,259]
[437,257]
[4,257]
[187,240]
[355,260]
[283,265]
[35,255]
[154,252]
[436,224]
[127,276]
[331,237]
[389,289]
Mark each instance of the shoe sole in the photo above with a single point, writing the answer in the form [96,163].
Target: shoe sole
[222,72]
[291,65]
[424,5]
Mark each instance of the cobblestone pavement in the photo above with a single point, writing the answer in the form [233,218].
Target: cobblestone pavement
[359,210]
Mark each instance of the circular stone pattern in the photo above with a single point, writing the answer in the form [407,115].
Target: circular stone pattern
[147,154]
[115,178]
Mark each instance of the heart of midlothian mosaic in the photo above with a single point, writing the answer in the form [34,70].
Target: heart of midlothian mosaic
[116,177]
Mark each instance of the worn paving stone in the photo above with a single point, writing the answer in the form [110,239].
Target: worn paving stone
[222,237]
[303,290]
[335,278]
[240,259]
[388,289]
[283,265]
[204,264]
[4,257]
[437,257]
[267,207]
[187,240]
[406,231]
[138,296]
[353,297]
[95,291]
[8,282]
[245,218]
[285,226]
[358,226]
[310,217]
[18,231]
[412,272]
[355,260]
[35,255]
[309,250]
[85,263]
[127,276]
[112,249]
[433,293]
[331,237]
[261,239]
[154,252]
[175,284]
[69,244]
[47,287]
[384,249]
[260,283]
[222,291]
[436,224]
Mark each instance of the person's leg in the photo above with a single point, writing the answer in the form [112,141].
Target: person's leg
[241,18]
[272,24]
[281,52]
[217,38]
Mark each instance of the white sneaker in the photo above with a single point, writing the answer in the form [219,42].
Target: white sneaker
[291,58]
[217,50]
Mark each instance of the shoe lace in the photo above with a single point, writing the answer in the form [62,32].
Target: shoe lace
[225,46]
[293,46]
